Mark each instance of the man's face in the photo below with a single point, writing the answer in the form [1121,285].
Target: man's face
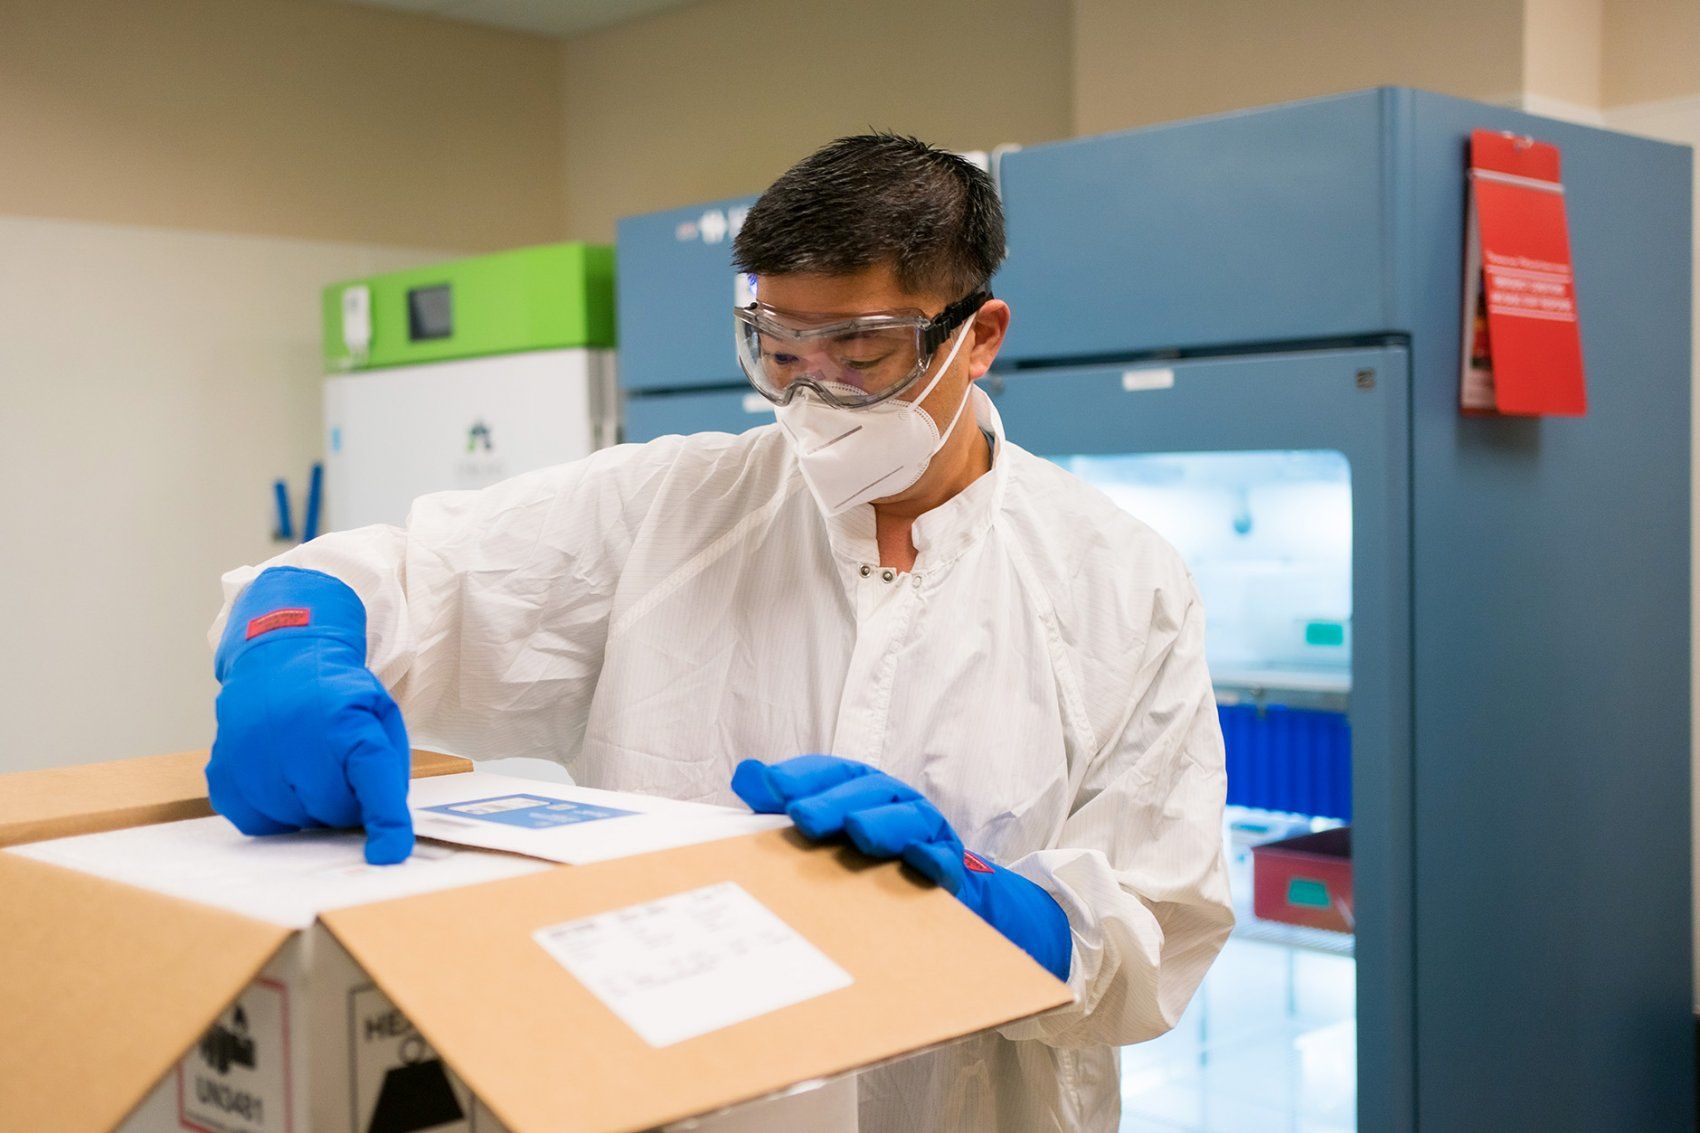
[811,298]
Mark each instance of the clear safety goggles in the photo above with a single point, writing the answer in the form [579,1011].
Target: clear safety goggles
[851,363]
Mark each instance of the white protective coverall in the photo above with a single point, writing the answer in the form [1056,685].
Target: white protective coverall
[652,614]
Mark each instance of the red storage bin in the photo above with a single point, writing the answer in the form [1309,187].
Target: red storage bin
[1305,880]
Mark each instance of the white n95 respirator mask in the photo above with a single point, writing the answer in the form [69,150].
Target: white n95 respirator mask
[854,456]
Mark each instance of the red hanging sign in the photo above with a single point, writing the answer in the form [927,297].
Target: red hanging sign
[1522,340]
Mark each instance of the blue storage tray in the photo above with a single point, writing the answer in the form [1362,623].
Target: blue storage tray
[1296,760]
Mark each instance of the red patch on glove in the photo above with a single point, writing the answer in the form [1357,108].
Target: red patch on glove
[278,619]
[974,863]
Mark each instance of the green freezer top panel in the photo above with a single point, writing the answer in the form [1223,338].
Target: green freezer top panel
[554,295]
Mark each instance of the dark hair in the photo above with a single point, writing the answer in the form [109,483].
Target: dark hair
[877,198]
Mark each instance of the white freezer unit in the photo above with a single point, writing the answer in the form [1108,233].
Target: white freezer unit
[392,435]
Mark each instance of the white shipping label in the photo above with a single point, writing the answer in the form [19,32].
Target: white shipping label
[685,965]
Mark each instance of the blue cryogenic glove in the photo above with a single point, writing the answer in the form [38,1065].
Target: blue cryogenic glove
[307,735]
[886,818]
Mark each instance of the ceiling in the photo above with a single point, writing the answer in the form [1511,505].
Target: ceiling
[546,17]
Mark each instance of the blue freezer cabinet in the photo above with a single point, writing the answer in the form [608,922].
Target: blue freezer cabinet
[675,290]
[651,415]
[1292,278]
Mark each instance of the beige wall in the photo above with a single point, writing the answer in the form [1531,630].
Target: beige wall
[1652,50]
[154,383]
[1562,51]
[334,121]
[281,117]
[178,179]
[717,98]
[1159,60]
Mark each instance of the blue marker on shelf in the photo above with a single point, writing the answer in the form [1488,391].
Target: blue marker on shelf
[315,489]
[285,529]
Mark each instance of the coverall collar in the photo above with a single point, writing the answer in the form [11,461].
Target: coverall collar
[944,533]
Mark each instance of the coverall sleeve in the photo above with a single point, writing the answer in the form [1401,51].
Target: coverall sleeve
[487,613]
[1139,867]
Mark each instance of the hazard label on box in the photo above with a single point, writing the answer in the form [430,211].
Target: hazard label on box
[398,1083]
[237,1078]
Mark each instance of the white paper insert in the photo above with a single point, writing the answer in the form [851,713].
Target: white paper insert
[565,823]
[685,965]
[287,879]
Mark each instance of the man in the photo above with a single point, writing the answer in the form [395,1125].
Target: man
[1007,671]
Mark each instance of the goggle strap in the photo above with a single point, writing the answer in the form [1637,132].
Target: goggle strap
[940,326]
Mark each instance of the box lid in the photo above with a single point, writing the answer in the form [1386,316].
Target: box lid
[102,989]
[58,802]
[546,1054]
[99,974]
[103,986]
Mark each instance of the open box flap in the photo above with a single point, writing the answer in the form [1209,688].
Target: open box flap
[545,1053]
[58,802]
[103,987]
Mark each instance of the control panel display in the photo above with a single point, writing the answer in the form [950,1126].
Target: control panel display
[430,313]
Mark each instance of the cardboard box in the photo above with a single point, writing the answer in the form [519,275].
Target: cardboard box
[58,802]
[503,1002]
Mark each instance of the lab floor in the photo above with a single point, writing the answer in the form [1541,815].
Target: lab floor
[1267,1046]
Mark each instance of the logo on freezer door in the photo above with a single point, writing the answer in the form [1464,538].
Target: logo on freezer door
[478,434]
[712,227]
[480,466]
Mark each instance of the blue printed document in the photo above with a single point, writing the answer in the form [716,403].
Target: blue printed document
[533,812]
[564,823]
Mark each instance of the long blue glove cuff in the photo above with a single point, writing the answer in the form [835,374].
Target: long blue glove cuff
[1024,912]
[307,735]
[827,796]
[291,602]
